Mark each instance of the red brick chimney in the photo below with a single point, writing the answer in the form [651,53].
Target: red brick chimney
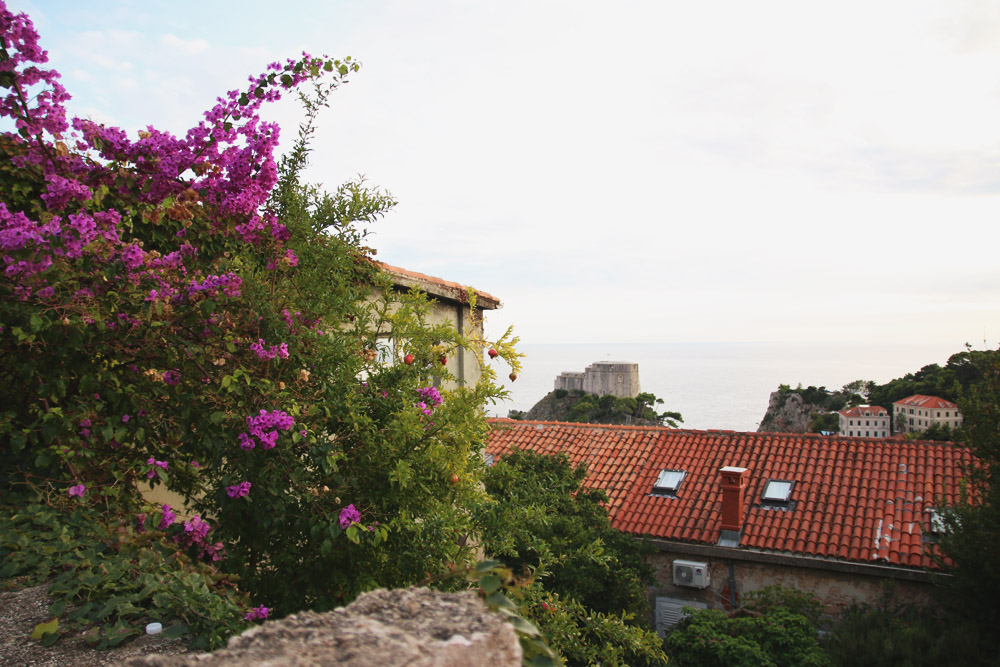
[734,483]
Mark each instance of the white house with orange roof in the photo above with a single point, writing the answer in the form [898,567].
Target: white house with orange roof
[918,413]
[865,421]
[451,304]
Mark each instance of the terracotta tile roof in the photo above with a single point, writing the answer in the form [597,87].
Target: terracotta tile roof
[854,499]
[439,286]
[930,402]
[865,411]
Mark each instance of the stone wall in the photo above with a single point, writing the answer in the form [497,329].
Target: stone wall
[570,381]
[416,627]
[618,378]
[836,590]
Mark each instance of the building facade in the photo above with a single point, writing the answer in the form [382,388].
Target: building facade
[451,305]
[918,413]
[865,421]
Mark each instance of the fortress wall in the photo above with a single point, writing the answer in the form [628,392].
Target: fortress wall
[570,381]
[619,378]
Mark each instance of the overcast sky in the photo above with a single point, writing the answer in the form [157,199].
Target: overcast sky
[624,171]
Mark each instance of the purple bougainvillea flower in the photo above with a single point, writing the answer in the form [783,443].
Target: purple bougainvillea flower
[168,518]
[239,490]
[257,613]
[77,490]
[349,515]
[125,418]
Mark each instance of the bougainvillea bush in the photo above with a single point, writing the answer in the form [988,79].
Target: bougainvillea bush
[184,311]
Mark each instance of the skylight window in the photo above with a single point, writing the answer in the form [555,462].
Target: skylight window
[668,481]
[777,491]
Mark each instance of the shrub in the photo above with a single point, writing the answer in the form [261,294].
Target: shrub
[186,312]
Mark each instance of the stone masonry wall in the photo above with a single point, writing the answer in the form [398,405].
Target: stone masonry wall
[416,627]
[618,378]
[836,590]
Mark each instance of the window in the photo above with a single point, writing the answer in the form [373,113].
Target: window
[386,349]
[670,612]
[777,491]
[667,482]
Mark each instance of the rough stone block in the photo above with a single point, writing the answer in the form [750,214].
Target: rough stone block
[416,627]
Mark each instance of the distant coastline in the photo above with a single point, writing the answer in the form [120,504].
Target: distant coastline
[722,385]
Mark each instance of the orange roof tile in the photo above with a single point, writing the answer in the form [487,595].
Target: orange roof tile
[440,287]
[930,402]
[865,411]
[857,499]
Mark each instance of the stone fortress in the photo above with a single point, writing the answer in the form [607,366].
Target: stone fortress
[618,378]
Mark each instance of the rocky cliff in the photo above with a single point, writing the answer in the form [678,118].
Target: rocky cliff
[788,412]
[554,406]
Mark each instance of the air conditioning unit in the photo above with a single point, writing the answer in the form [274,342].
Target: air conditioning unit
[691,573]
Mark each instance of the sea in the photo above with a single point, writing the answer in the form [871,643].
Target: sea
[721,385]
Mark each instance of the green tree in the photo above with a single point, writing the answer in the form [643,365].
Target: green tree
[188,312]
[545,521]
[971,537]
[583,579]
[610,409]
[892,633]
[776,629]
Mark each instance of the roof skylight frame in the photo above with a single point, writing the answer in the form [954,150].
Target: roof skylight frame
[777,492]
[668,482]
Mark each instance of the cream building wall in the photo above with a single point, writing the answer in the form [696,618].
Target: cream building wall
[865,421]
[450,306]
[921,412]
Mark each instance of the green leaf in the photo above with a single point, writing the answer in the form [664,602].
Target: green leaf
[523,626]
[175,631]
[57,608]
[50,638]
[118,633]
[500,601]
[486,565]
[45,628]
[490,583]
[286,80]
[352,534]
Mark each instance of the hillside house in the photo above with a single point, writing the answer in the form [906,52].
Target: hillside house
[865,421]
[734,512]
[451,304]
[919,413]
